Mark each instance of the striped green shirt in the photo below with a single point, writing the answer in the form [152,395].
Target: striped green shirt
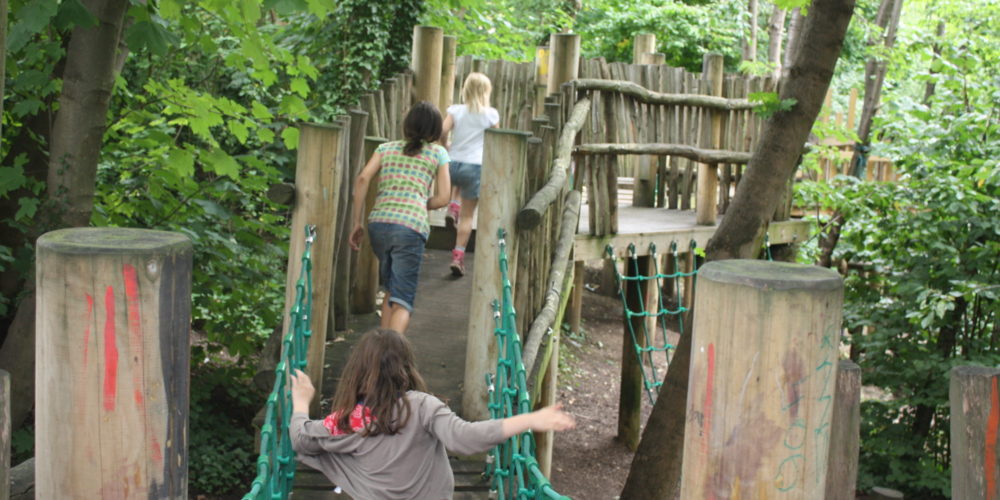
[404,185]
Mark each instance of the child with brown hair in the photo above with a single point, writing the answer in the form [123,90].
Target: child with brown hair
[386,437]
[398,224]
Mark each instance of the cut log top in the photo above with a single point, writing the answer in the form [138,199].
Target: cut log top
[975,371]
[113,240]
[771,275]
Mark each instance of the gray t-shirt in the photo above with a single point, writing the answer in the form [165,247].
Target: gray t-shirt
[411,464]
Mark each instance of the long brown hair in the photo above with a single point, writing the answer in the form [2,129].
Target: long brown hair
[379,371]
[421,125]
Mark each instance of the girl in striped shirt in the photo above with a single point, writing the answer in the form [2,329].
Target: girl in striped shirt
[398,223]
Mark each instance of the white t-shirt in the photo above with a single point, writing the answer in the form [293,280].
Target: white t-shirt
[467,132]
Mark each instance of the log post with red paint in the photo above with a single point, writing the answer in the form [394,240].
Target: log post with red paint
[763,380]
[111,402]
[975,427]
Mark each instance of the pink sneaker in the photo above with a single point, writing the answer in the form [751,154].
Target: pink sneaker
[451,218]
[458,263]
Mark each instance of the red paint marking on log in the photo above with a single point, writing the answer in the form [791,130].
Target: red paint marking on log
[708,407]
[110,351]
[992,426]
[135,332]
[136,350]
[157,453]
[86,329]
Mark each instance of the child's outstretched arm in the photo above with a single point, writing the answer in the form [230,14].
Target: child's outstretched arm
[550,418]
[358,203]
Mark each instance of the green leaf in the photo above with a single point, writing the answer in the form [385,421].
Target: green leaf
[260,111]
[300,87]
[151,36]
[181,162]
[239,130]
[265,135]
[11,178]
[170,9]
[73,13]
[27,206]
[293,106]
[31,19]
[221,163]
[291,137]
[26,107]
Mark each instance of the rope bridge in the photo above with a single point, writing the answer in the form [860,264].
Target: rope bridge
[511,465]
[645,343]
[276,463]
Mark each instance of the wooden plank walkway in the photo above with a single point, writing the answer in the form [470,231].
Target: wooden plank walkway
[642,226]
[438,332]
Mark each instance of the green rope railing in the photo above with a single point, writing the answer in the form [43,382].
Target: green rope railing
[647,344]
[511,465]
[276,463]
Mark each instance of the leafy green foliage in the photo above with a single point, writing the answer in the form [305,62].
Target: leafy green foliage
[768,103]
[221,453]
[505,29]
[927,297]
[201,122]
[684,31]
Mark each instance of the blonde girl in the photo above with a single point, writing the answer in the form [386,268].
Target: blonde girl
[467,123]
[386,437]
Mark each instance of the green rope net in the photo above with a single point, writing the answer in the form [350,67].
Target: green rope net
[276,463]
[645,343]
[511,465]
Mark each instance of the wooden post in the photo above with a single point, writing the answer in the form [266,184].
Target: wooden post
[447,73]
[630,397]
[111,401]
[4,428]
[845,434]
[576,298]
[975,425]
[762,380]
[564,60]
[642,44]
[505,160]
[365,284]
[3,56]
[426,63]
[317,182]
[708,174]
[644,167]
[541,79]
[347,259]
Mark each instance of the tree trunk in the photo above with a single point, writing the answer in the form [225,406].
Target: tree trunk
[929,88]
[750,43]
[791,44]
[78,130]
[75,142]
[785,133]
[655,471]
[775,34]
[875,68]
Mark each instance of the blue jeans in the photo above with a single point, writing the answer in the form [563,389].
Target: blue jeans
[400,251]
[466,176]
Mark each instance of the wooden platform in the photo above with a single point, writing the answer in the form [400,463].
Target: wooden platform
[438,331]
[642,226]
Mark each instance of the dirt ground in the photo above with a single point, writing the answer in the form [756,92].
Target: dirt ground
[589,463]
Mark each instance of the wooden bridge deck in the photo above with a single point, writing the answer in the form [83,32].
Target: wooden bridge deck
[438,331]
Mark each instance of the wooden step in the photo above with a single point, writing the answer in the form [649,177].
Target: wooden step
[470,484]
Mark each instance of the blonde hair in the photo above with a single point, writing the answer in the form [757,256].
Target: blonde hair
[476,92]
